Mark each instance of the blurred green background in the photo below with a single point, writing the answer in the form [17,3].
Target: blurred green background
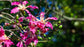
[66,33]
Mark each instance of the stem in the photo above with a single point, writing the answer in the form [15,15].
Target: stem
[5,17]
[13,33]
[7,14]
[43,41]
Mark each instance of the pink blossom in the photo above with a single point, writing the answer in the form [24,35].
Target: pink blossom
[15,10]
[25,2]
[21,19]
[2,31]
[8,43]
[7,24]
[52,18]
[15,3]
[29,40]
[31,17]
[42,14]
[32,23]
[45,21]
[22,7]
[33,29]
[35,41]
[48,24]
[24,36]
[14,26]
[20,44]
[45,30]
[40,25]
[33,7]
[4,38]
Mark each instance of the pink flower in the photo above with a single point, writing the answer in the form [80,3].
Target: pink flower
[4,38]
[45,21]
[2,31]
[29,40]
[24,36]
[20,44]
[31,17]
[22,7]
[45,30]
[48,24]
[15,10]
[35,41]
[32,26]
[33,29]
[42,23]
[33,7]
[32,23]
[8,43]
[14,26]
[21,19]
[6,24]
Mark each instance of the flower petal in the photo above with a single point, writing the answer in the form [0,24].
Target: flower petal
[28,41]
[40,25]
[24,2]
[45,30]
[35,41]
[8,43]
[31,17]
[2,31]
[24,36]
[27,11]
[15,10]
[52,18]
[32,29]
[19,44]
[15,3]
[42,14]
[33,7]
[21,19]
[48,24]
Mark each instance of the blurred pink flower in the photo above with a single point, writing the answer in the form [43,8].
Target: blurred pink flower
[45,21]
[14,26]
[8,43]
[29,40]
[20,44]
[24,36]
[21,19]
[41,23]
[4,38]
[6,24]
[22,7]
[2,31]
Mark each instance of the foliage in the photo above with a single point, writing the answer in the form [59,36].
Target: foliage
[67,32]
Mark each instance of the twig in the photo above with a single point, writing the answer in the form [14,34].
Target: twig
[74,19]
[5,17]
[7,14]
[13,33]
[69,18]
[43,41]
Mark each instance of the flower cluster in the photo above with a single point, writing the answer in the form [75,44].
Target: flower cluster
[4,39]
[27,35]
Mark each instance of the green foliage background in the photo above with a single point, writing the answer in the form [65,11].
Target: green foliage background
[66,33]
